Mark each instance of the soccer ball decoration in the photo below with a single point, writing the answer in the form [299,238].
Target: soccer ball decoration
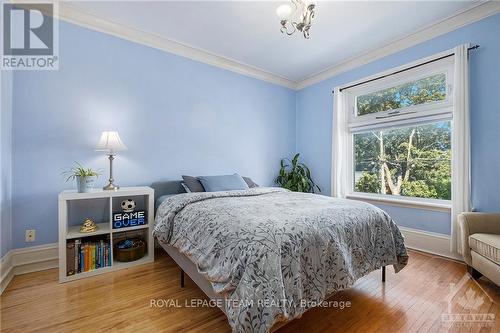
[128,205]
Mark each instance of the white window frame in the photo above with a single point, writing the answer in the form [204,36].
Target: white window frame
[370,121]
[412,115]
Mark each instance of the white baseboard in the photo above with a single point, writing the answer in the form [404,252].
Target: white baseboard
[430,242]
[42,257]
[27,260]
[6,271]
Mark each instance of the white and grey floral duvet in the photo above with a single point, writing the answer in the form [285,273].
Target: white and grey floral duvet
[271,253]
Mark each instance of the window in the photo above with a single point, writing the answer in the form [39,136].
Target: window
[400,134]
[412,161]
[426,90]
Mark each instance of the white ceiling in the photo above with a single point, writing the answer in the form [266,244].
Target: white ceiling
[248,32]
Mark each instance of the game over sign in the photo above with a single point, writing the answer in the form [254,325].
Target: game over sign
[130,219]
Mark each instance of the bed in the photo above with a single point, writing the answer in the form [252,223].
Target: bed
[267,255]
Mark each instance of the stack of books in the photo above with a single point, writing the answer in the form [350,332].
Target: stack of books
[87,255]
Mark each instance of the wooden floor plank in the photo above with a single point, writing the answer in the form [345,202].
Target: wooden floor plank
[413,300]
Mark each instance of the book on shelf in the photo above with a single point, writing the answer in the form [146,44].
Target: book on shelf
[70,261]
[85,255]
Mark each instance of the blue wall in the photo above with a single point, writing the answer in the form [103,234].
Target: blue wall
[176,116]
[179,116]
[5,162]
[315,107]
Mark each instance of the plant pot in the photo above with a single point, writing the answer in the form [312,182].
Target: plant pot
[85,184]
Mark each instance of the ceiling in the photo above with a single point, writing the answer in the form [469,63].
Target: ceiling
[248,31]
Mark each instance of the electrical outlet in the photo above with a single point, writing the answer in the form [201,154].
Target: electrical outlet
[30,235]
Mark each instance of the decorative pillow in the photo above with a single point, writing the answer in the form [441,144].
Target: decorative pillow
[193,184]
[223,183]
[184,186]
[250,182]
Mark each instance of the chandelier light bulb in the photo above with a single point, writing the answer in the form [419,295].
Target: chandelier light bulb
[284,11]
[302,10]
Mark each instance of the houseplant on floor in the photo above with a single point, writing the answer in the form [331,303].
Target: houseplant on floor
[85,177]
[295,176]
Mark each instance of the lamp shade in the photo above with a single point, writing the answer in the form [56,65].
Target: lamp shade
[110,142]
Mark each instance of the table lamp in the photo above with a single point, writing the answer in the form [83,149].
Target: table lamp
[110,143]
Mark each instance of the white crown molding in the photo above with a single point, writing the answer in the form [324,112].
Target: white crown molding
[451,23]
[72,14]
[27,260]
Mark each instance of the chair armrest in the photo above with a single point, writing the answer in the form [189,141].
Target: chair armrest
[473,223]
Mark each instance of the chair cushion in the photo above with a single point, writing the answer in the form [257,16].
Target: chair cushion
[487,245]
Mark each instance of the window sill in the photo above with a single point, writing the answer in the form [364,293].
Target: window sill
[435,205]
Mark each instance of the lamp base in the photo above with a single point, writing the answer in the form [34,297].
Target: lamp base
[111,187]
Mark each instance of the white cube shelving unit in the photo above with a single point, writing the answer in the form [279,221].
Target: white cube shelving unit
[100,206]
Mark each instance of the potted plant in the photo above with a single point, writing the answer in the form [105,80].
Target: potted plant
[85,178]
[295,176]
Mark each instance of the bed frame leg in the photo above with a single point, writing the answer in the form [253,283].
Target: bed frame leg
[182,278]
[383,273]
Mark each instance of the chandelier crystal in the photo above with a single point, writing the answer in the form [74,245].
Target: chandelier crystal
[296,16]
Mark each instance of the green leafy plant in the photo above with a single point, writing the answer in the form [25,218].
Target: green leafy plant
[295,176]
[79,171]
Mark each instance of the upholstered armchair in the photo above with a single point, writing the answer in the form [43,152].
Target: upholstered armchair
[481,244]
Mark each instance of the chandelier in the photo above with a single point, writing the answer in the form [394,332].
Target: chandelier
[296,16]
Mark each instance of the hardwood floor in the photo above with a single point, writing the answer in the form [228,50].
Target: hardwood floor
[414,300]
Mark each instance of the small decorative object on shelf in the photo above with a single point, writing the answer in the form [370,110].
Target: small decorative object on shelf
[85,178]
[130,249]
[129,217]
[128,205]
[88,226]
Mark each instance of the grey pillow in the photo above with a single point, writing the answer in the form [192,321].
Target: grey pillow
[193,184]
[184,186]
[250,183]
[223,183]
